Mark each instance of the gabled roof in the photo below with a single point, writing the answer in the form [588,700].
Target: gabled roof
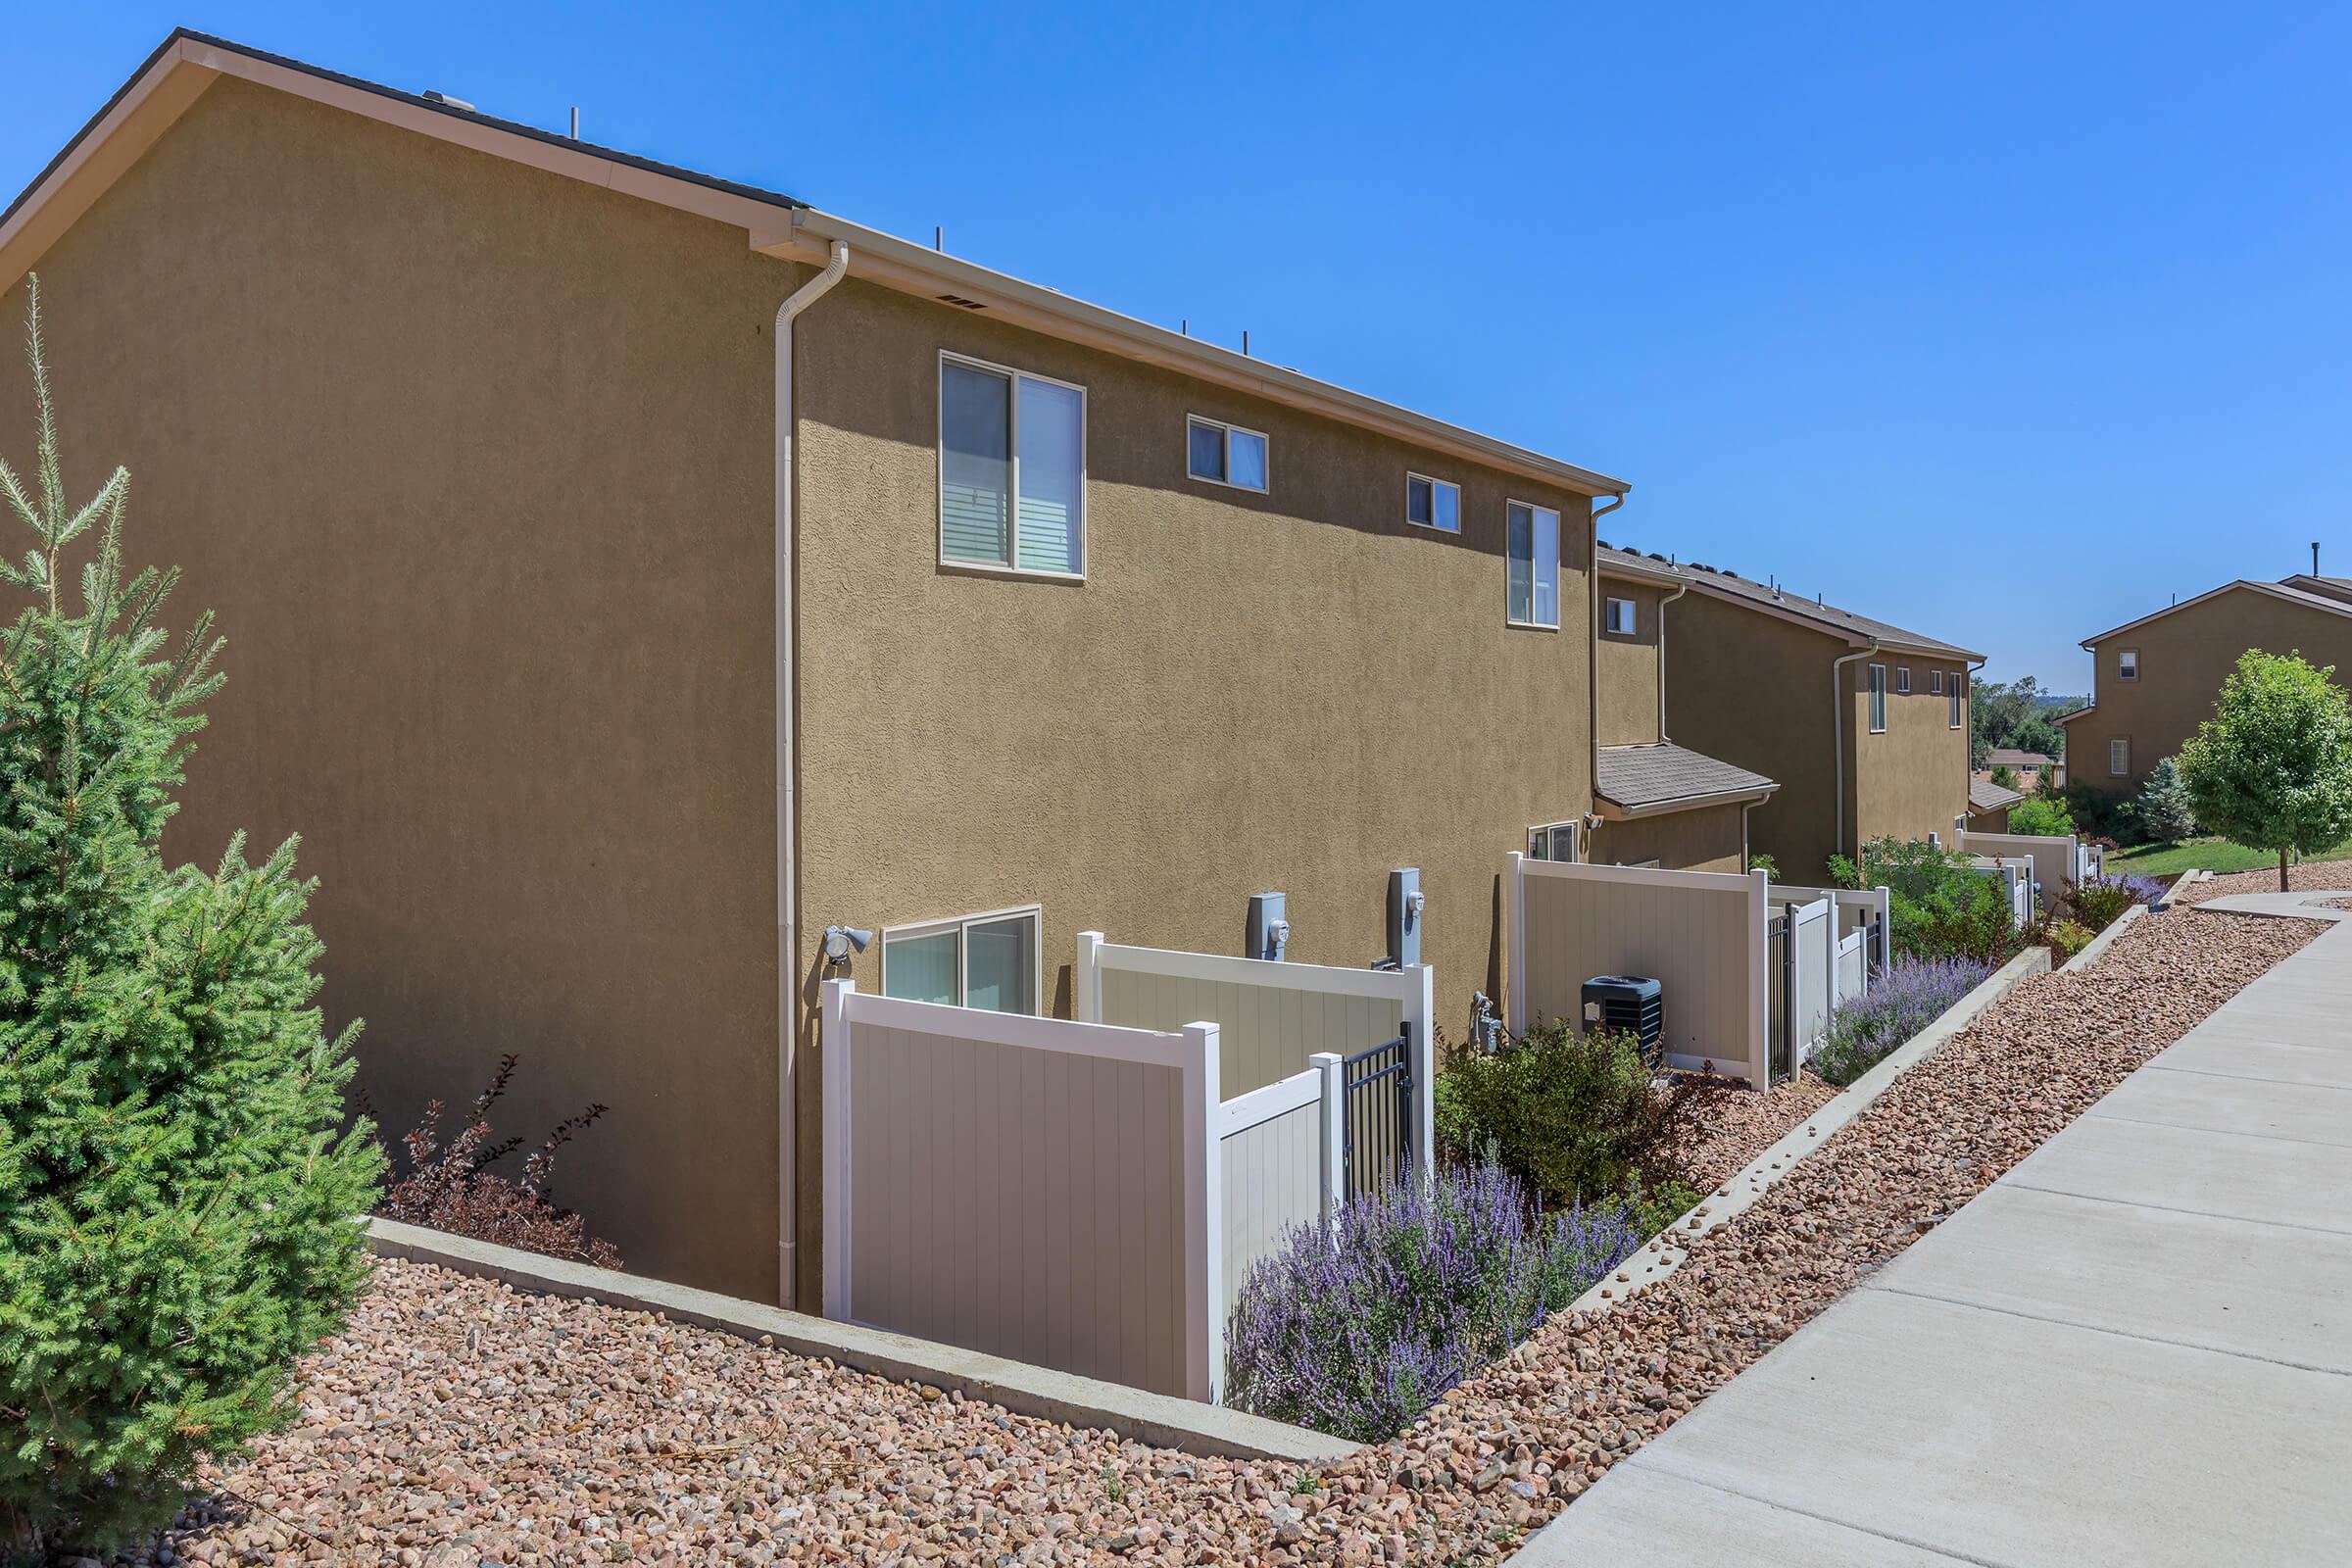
[1643,779]
[2010,757]
[1985,796]
[1859,631]
[777,226]
[2277,589]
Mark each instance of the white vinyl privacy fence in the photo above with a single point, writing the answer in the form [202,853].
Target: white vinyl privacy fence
[2060,862]
[2018,885]
[1028,1187]
[1828,943]
[1329,1074]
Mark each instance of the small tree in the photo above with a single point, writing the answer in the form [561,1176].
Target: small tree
[2166,813]
[2273,769]
[2040,816]
[2004,775]
[176,1197]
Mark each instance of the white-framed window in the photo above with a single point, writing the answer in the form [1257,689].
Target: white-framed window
[1935,683]
[1011,470]
[1433,503]
[1902,680]
[2119,756]
[1878,698]
[1553,841]
[991,961]
[1623,620]
[2126,663]
[1953,716]
[1533,575]
[1225,453]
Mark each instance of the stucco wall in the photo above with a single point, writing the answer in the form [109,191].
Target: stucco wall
[1292,692]
[2183,658]
[1912,780]
[1706,839]
[473,465]
[1627,666]
[1754,690]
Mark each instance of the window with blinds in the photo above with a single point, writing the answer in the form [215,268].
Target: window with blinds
[981,960]
[1532,571]
[1011,470]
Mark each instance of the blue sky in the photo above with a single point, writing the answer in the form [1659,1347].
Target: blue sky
[2003,322]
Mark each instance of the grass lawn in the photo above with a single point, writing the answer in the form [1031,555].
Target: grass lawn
[2207,854]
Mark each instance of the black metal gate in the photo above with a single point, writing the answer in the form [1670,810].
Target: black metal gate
[1376,1117]
[1780,1044]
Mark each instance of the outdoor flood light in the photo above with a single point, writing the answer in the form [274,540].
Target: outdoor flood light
[843,940]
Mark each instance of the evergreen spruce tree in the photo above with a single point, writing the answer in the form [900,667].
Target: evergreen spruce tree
[2166,813]
[176,1184]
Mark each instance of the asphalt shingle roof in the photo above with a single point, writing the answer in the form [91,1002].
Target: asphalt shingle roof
[1985,796]
[1829,616]
[1653,775]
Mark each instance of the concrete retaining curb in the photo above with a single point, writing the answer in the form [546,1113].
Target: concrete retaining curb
[2105,940]
[1160,1419]
[1663,1256]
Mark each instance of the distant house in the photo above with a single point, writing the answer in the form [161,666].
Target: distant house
[2154,679]
[1862,724]
[2028,766]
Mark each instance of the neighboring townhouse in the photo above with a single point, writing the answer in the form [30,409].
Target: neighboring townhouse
[629,575]
[2154,679]
[1989,805]
[2028,766]
[1655,802]
[1862,724]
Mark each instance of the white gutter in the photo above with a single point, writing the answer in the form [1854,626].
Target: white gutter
[1593,652]
[1837,741]
[1681,588]
[788,820]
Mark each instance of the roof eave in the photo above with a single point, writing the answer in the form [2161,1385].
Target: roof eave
[1618,812]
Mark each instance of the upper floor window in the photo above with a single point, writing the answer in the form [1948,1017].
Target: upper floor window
[2127,664]
[1011,470]
[1533,575]
[1225,453]
[1622,620]
[1878,698]
[1902,679]
[1953,715]
[981,960]
[1935,682]
[1433,503]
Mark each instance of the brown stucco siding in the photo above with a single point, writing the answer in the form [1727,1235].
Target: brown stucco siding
[1754,689]
[1911,780]
[2183,658]
[1292,692]
[472,462]
[1627,666]
[1705,838]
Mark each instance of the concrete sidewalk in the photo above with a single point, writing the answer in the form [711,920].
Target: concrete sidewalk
[2135,1347]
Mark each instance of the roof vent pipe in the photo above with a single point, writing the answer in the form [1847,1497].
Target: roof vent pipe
[446,101]
[2315,557]
[788,823]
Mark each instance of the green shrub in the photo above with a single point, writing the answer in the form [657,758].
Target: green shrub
[2040,817]
[1939,907]
[2097,903]
[175,1199]
[2164,813]
[1766,865]
[1572,1117]
[2066,937]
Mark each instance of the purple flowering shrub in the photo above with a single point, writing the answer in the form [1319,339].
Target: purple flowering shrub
[1904,999]
[1357,1331]
[2101,900]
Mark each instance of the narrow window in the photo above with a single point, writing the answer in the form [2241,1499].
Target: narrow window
[2127,664]
[1935,682]
[1622,622]
[1011,470]
[982,960]
[1433,503]
[1553,841]
[2119,756]
[1953,704]
[1225,453]
[1878,698]
[1533,575]
[1902,679]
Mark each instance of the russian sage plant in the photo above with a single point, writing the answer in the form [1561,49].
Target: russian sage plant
[1903,997]
[2102,899]
[1357,1329]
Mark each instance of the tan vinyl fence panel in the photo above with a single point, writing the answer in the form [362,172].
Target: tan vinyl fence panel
[1267,1031]
[1030,1188]
[2057,861]
[1701,934]
[1274,1181]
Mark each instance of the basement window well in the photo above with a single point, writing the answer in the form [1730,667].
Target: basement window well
[1011,470]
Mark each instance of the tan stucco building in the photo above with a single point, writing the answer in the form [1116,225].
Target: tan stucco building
[2154,679]
[1056,621]
[1863,725]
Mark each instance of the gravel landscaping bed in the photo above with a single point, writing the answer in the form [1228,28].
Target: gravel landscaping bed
[2310,875]
[459,1422]
[1741,1124]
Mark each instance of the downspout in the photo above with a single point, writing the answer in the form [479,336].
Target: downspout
[788,820]
[1968,733]
[1837,741]
[1680,589]
[1592,653]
